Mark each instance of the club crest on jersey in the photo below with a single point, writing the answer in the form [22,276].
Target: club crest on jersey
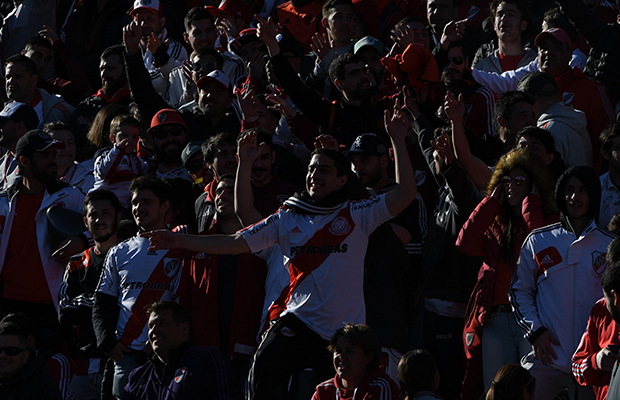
[567,97]
[469,338]
[599,262]
[171,266]
[420,177]
[179,374]
[287,332]
[340,226]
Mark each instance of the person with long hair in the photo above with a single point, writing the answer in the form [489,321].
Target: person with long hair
[512,382]
[520,199]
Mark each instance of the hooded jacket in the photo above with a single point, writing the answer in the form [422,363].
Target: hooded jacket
[569,130]
[558,276]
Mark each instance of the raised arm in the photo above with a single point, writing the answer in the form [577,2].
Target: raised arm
[211,244]
[247,152]
[396,126]
[473,166]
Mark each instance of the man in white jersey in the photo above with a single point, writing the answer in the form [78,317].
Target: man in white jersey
[134,277]
[323,237]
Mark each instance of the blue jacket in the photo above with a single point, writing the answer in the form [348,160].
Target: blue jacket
[192,372]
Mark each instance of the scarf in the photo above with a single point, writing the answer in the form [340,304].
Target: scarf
[302,203]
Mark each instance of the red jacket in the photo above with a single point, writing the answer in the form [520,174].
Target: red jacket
[198,292]
[481,236]
[375,386]
[601,332]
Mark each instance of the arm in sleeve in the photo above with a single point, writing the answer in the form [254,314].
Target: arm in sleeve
[73,305]
[522,293]
[584,360]
[106,164]
[106,307]
[471,237]
[507,80]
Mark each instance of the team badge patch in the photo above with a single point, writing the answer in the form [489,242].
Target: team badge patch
[420,177]
[287,332]
[162,117]
[599,262]
[179,374]
[548,258]
[340,226]
[567,97]
[171,266]
[469,338]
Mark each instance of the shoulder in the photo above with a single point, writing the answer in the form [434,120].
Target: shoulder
[544,232]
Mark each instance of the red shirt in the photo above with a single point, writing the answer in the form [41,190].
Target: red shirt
[23,275]
[509,63]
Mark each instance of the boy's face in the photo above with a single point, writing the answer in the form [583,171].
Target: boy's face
[132,134]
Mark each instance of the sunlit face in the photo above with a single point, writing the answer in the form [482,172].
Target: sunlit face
[225,197]
[166,334]
[518,185]
[358,83]
[322,178]
[213,99]
[101,220]
[20,85]
[340,23]
[553,56]
[350,362]
[372,59]
[42,56]
[148,212]
[129,132]
[152,22]
[577,199]
[201,35]
[112,73]
[508,24]
[367,168]
[453,71]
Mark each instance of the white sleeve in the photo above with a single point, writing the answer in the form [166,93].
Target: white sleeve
[368,214]
[109,283]
[104,163]
[507,80]
[263,234]
[523,289]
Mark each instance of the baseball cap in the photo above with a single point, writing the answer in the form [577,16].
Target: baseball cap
[217,76]
[557,33]
[538,84]
[369,41]
[369,144]
[153,5]
[166,116]
[35,140]
[20,112]
[245,36]
[233,7]
[189,151]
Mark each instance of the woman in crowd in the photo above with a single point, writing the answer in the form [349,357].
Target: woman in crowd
[520,199]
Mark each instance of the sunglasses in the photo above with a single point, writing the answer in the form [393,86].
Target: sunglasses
[518,180]
[194,166]
[458,60]
[12,350]
[208,66]
[163,133]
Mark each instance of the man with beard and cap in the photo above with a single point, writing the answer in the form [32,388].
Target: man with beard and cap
[114,90]
[21,78]
[323,237]
[25,246]
[102,213]
[169,134]
[557,281]
[15,120]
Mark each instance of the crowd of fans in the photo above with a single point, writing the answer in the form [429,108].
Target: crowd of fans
[238,200]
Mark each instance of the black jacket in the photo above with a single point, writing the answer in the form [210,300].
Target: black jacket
[31,382]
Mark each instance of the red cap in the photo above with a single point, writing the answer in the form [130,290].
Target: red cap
[153,5]
[166,116]
[245,36]
[233,7]
[557,33]
[415,67]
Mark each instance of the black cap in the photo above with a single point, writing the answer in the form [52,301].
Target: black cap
[189,151]
[20,112]
[35,140]
[369,144]
[538,84]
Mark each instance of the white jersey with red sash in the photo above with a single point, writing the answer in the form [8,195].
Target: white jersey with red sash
[138,277]
[324,254]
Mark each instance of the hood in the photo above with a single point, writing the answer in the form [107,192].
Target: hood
[589,178]
[566,113]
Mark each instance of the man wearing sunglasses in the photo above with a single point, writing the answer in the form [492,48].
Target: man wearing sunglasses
[557,281]
[169,134]
[23,372]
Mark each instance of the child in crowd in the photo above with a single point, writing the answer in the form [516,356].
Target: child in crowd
[418,375]
[117,167]
[512,382]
